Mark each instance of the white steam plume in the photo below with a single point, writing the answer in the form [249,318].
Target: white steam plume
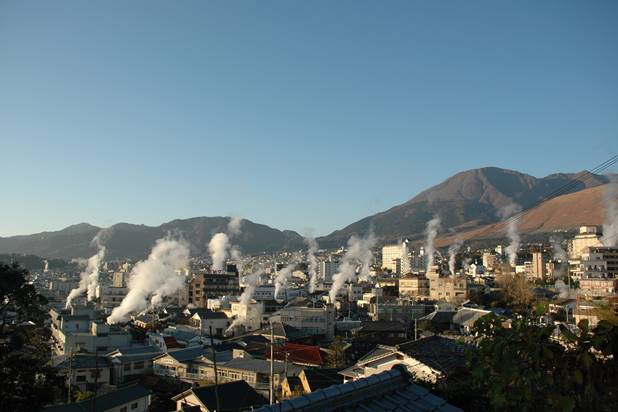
[251,282]
[358,255]
[283,277]
[560,255]
[89,278]
[511,230]
[233,226]
[452,252]
[313,262]
[405,260]
[218,248]
[610,221]
[431,231]
[153,279]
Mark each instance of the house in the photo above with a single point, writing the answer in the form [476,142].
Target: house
[304,355]
[256,372]
[146,321]
[465,318]
[389,391]
[204,319]
[193,365]
[233,396]
[134,398]
[428,359]
[310,318]
[85,371]
[309,380]
[130,363]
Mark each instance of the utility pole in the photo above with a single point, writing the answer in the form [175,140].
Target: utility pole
[415,329]
[272,365]
[214,361]
[70,376]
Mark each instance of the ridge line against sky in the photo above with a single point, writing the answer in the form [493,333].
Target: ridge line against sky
[298,116]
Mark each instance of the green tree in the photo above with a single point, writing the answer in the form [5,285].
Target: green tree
[336,353]
[525,367]
[27,380]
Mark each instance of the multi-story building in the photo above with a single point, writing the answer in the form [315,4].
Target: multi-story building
[596,262]
[79,330]
[328,268]
[111,296]
[589,236]
[489,261]
[310,318]
[391,258]
[451,289]
[538,265]
[212,285]
[413,286]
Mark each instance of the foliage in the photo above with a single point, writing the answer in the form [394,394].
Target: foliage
[336,353]
[27,380]
[525,367]
[516,290]
[82,396]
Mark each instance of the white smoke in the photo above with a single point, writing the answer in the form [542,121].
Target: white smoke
[251,282]
[283,277]
[610,221]
[218,248]
[431,231]
[511,230]
[153,279]
[89,278]
[405,259]
[452,252]
[313,262]
[358,256]
[562,289]
[233,226]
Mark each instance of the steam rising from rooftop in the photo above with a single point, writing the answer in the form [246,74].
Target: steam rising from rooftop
[359,256]
[610,221]
[512,232]
[89,278]
[431,232]
[452,253]
[153,279]
[283,277]
[219,246]
[313,262]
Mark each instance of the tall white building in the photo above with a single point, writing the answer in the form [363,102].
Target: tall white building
[391,258]
[327,269]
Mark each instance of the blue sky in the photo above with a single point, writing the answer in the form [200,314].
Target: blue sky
[299,115]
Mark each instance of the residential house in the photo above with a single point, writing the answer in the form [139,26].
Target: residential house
[234,396]
[135,398]
[193,365]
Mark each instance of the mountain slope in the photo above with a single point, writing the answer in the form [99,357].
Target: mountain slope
[560,213]
[467,200]
[135,241]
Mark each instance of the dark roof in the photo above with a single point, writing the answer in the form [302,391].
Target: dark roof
[171,342]
[256,365]
[322,378]
[187,354]
[207,314]
[386,391]
[441,316]
[441,354]
[104,402]
[382,326]
[85,361]
[233,396]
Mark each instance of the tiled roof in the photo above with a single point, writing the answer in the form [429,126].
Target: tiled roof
[297,353]
[233,396]
[386,391]
[104,402]
[439,353]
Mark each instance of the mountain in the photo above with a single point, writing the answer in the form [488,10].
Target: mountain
[135,241]
[465,201]
[561,213]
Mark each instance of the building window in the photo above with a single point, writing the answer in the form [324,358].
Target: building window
[123,409]
[134,405]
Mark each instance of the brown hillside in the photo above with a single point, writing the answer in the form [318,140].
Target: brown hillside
[561,213]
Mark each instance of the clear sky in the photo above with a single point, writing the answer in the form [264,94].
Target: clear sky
[299,115]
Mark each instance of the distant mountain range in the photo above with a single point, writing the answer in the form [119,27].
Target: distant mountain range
[470,200]
[468,204]
[135,241]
